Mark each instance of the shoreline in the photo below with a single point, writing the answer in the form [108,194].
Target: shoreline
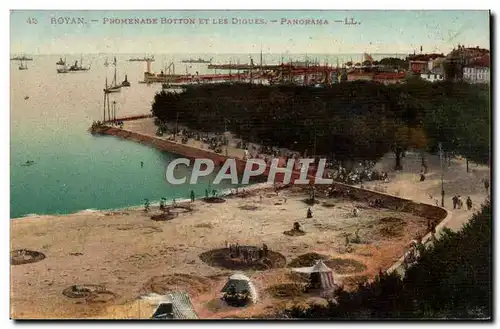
[224,193]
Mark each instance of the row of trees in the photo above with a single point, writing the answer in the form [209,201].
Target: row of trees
[348,121]
[453,279]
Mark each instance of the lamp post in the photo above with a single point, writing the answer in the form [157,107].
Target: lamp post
[442,173]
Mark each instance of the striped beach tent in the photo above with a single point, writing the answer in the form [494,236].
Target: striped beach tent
[319,272]
[174,305]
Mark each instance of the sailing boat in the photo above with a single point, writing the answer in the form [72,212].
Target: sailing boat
[125,82]
[23,66]
[78,68]
[63,67]
[114,86]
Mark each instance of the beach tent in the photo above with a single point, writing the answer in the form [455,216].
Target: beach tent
[174,305]
[320,273]
[241,283]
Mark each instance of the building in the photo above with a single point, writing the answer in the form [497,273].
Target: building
[477,71]
[422,62]
[431,76]
[357,76]
[468,53]
[460,58]
[388,78]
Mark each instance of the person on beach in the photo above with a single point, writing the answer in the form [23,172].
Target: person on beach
[237,249]
[469,203]
[142,164]
[355,212]
[486,185]
[192,196]
[206,193]
[309,213]
[433,230]
[455,201]
[260,197]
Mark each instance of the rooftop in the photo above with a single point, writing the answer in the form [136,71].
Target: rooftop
[425,57]
[483,61]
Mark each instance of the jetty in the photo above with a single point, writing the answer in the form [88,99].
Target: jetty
[110,127]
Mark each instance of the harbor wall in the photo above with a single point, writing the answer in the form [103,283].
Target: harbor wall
[437,215]
[191,152]
[134,117]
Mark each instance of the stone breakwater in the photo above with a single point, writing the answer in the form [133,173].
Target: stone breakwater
[192,152]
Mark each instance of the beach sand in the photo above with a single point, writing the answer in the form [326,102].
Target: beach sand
[122,250]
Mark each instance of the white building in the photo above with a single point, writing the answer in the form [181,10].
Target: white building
[477,74]
[432,77]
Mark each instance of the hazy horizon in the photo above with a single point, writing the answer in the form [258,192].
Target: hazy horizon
[221,32]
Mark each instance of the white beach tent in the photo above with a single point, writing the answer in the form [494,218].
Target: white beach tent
[241,283]
[320,269]
[173,305]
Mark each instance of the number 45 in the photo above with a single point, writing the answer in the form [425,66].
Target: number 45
[32,21]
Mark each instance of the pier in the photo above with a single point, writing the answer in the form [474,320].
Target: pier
[192,152]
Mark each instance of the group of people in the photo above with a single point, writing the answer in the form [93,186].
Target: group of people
[362,173]
[163,203]
[97,124]
[458,203]
[267,153]
[216,143]
[377,203]
[332,191]
[249,254]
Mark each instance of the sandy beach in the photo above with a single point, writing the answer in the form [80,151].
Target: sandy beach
[123,250]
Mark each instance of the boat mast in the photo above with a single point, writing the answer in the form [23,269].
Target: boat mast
[104,103]
[109,114]
[114,79]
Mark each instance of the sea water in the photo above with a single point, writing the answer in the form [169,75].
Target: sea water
[73,170]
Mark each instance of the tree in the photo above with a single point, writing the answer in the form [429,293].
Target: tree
[405,138]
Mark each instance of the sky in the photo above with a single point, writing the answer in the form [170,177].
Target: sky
[383,32]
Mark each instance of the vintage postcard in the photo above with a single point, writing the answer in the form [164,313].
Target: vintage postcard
[250,165]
